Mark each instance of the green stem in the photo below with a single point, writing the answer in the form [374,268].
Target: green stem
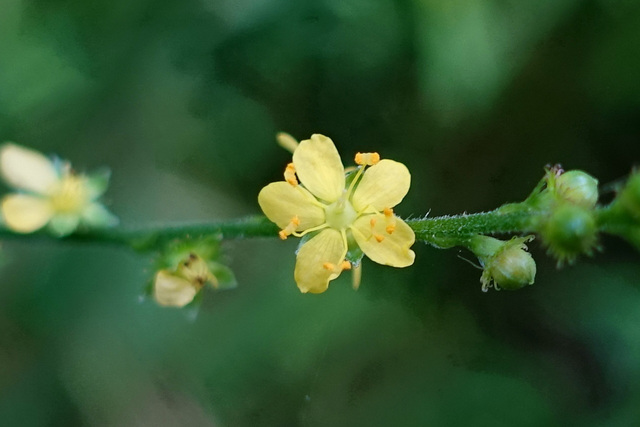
[149,238]
[442,232]
[447,231]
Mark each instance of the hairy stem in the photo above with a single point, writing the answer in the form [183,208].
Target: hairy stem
[447,231]
[154,237]
[442,232]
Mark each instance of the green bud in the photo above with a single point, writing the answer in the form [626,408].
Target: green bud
[629,198]
[570,231]
[577,187]
[513,269]
[507,265]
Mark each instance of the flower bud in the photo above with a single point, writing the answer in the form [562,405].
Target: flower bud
[577,187]
[512,269]
[629,198]
[570,231]
[507,265]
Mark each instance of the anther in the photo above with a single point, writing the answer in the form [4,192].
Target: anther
[373,222]
[390,220]
[290,228]
[290,174]
[337,269]
[329,266]
[367,159]
[379,238]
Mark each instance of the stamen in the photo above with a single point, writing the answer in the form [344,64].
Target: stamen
[390,220]
[310,230]
[290,228]
[329,266]
[379,238]
[286,141]
[367,159]
[290,174]
[373,222]
[355,179]
[337,269]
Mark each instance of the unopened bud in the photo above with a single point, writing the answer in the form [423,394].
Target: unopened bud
[513,269]
[570,231]
[578,188]
[507,265]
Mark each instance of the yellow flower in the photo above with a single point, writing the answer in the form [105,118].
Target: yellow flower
[177,288]
[50,194]
[345,211]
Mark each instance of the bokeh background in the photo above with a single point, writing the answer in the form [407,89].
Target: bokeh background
[182,98]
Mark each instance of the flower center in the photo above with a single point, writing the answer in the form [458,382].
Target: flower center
[340,214]
[70,195]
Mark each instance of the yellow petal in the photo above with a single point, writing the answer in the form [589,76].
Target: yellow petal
[383,185]
[310,272]
[381,246]
[26,169]
[319,167]
[174,291]
[24,213]
[280,202]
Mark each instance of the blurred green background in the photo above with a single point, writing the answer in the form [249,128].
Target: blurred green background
[182,99]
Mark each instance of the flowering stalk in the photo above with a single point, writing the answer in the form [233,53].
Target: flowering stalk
[341,214]
[441,231]
[152,237]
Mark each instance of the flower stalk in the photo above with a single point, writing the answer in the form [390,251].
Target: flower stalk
[341,214]
[440,231]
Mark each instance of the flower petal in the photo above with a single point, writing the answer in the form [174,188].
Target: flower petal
[388,248]
[24,213]
[63,224]
[319,167]
[95,215]
[383,185]
[310,272]
[96,183]
[26,169]
[172,290]
[281,201]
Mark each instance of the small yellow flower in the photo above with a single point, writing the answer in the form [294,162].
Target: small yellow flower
[355,209]
[50,194]
[177,288]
